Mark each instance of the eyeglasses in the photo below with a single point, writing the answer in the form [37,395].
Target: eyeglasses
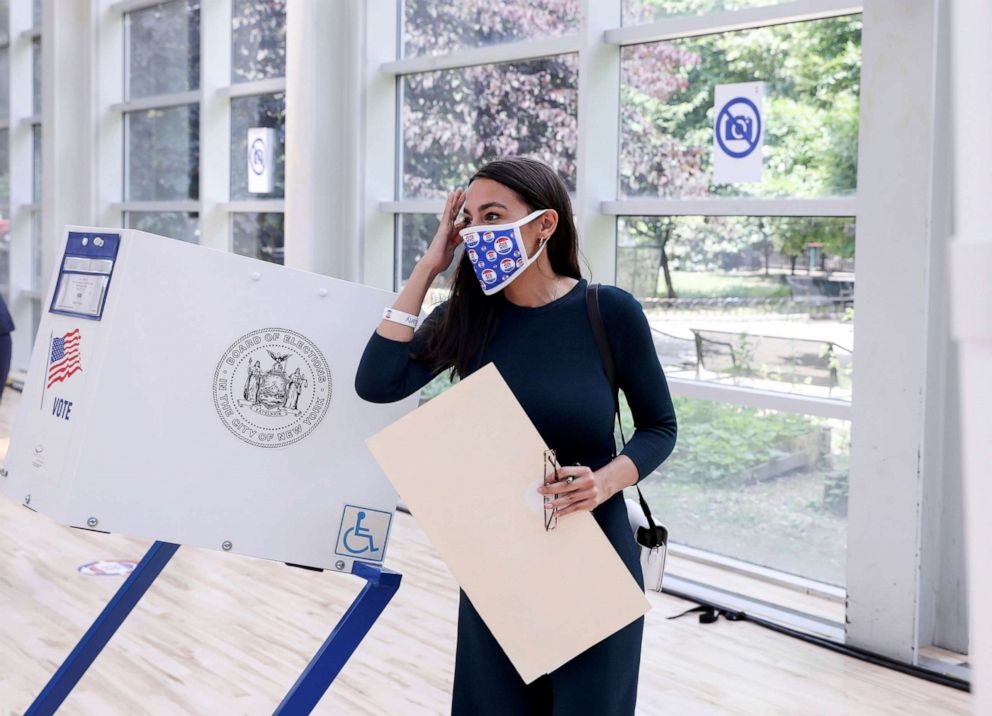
[550,476]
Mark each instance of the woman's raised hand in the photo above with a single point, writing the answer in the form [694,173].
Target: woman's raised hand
[441,252]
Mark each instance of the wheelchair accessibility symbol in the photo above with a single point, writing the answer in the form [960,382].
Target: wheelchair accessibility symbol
[363,533]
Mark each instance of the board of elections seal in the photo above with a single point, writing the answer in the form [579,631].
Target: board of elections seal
[272,387]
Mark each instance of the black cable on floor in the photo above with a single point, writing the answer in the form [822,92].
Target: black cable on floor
[710,612]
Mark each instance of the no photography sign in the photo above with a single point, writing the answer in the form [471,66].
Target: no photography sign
[738,133]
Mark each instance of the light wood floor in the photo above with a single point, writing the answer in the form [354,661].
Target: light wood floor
[222,634]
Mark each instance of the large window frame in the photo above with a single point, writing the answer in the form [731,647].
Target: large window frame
[214,207]
[598,43]
[597,207]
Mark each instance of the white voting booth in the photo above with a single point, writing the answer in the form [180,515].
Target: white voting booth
[205,399]
[201,398]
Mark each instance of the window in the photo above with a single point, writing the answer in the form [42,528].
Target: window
[759,303]
[431,28]
[456,120]
[163,153]
[811,72]
[36,277]
[761,486]
[4,79]
[162,141]
[35,281]
[36,155]
[257,111]
[259,236]
[258,65]
[162,49]
[414,233]
[748,288]
[258,40]
[174,224]
[5,214]
[36,74]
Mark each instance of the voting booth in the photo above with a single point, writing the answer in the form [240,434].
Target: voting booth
[197,397]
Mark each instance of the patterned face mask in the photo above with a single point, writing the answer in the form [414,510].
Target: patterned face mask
[497,252]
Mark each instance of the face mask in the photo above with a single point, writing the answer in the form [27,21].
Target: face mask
[497,252]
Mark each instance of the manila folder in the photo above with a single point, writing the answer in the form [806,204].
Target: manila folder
[468,464]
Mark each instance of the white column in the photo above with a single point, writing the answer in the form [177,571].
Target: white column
[897,204]
[324,75]
[379,132]
[215,123]
[108,52]
[971,312]
[943,604]
[597,154]
[68,124]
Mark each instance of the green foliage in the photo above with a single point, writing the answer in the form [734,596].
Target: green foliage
[701,284]
[719,442]
[811,73]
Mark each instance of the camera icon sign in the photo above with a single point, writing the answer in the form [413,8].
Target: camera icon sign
[738,127]
[739,123]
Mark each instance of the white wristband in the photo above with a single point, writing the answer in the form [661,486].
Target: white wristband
[404,319]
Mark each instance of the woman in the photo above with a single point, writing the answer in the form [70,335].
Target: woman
[531,321]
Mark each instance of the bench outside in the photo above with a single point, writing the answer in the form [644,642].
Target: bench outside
[790,360]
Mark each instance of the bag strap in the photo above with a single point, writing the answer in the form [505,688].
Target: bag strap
[599,333]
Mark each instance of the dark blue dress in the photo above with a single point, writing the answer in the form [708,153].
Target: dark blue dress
[548,357]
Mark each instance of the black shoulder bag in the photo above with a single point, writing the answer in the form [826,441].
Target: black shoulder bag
[654,535]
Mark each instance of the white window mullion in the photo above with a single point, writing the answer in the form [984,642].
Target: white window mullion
[111,173]
[126,6]
[156,206]
[159,101]
[731,21]
[488,55]
[258,206]
[767,399]
[257,87]
[846,206]
[412,206]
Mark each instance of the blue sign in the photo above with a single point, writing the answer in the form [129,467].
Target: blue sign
[258,156]
[85,274]
[363,533]
[739,121]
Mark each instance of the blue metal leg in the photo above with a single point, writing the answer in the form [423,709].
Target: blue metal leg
[97,636]
[341,644]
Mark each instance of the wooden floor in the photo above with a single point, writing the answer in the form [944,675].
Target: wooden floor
[222,634]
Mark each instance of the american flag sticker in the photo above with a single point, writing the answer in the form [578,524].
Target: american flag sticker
[64,360]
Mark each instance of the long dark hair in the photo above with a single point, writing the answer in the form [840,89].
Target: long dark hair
[472,317]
